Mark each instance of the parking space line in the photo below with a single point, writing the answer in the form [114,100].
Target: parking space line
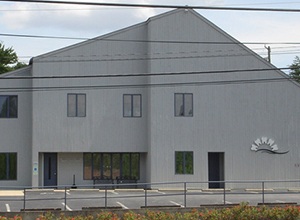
[279,201]
[161,192]
[113,192]
[175,203]
[67,207]
[227,202]
[7,207]
[47,193]
[123,206]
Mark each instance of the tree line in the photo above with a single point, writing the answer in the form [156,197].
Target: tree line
[9,60]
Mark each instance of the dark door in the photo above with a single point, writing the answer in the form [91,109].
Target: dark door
[216,169]
[50,169]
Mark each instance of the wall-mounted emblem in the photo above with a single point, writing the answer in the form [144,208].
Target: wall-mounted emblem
[267,145]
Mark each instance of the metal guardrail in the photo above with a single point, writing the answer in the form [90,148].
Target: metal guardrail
[184,189]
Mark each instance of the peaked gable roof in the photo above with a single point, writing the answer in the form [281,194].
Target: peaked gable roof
[195,34]
[110,36]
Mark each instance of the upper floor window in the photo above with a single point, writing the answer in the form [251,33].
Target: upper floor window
[184,104]
[132,105]
[76,105]
[184,162]
[8,166]
[8,106]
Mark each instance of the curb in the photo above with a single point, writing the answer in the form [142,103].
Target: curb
[11,193]
[259,190]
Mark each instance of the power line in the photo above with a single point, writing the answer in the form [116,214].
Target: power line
[146,85]
[183,54]
[91,9]
[145,74]
[95,59]
[156,6]
[157,58]
[57,9]
[273,3]
[44,37]
[143,41]
[275,51]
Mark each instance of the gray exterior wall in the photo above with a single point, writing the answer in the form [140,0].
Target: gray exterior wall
[229,111]
[227,118]
[16,133]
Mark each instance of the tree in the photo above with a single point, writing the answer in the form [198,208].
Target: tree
[295,69]
[9,59]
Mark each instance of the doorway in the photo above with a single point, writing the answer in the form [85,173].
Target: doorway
[216,169]
[50,169]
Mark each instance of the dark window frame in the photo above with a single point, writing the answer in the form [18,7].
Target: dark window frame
[8,171]
[132,106]
[76,106]
[184,105]
[131,169]
[8,113]
[184,163]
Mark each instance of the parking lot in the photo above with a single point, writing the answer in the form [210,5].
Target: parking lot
[78,199]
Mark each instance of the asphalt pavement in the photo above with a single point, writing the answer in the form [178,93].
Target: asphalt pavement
[78,199]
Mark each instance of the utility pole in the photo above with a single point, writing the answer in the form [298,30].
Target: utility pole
[269,53]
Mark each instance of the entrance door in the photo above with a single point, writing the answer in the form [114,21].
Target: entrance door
[50,169]
[216,169]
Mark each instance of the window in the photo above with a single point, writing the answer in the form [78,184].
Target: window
[184,104]
[184,162]
[111,165]
[132,105]
[76,105]
[8,166]
[8,106]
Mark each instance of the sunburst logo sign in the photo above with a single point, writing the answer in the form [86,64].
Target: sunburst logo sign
[266,145]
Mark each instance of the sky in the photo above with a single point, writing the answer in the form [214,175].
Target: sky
[276,29]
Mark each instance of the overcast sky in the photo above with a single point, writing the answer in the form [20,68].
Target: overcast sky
[93,21]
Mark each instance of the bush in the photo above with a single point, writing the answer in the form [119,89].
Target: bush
[241,212]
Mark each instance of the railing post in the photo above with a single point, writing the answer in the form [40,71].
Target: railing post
[105,199]
[224,193]
[185,189]
[145,195]
[65,198]
[24,199]
[263,192]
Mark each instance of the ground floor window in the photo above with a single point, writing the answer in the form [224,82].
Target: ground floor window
[184,162]
[111,166]
[8,166]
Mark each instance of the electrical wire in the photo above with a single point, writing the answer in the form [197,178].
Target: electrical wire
[44,37]
[157,41]
[155,6]
[91,9]
[146,85]
[145,74]
[95,59]
[143,41]
[231,53]
[273,3]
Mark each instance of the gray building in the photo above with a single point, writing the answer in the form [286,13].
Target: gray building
[174,98]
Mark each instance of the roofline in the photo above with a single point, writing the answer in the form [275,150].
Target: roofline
[11,73]
[108,35]
[101,37]
[212,25]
